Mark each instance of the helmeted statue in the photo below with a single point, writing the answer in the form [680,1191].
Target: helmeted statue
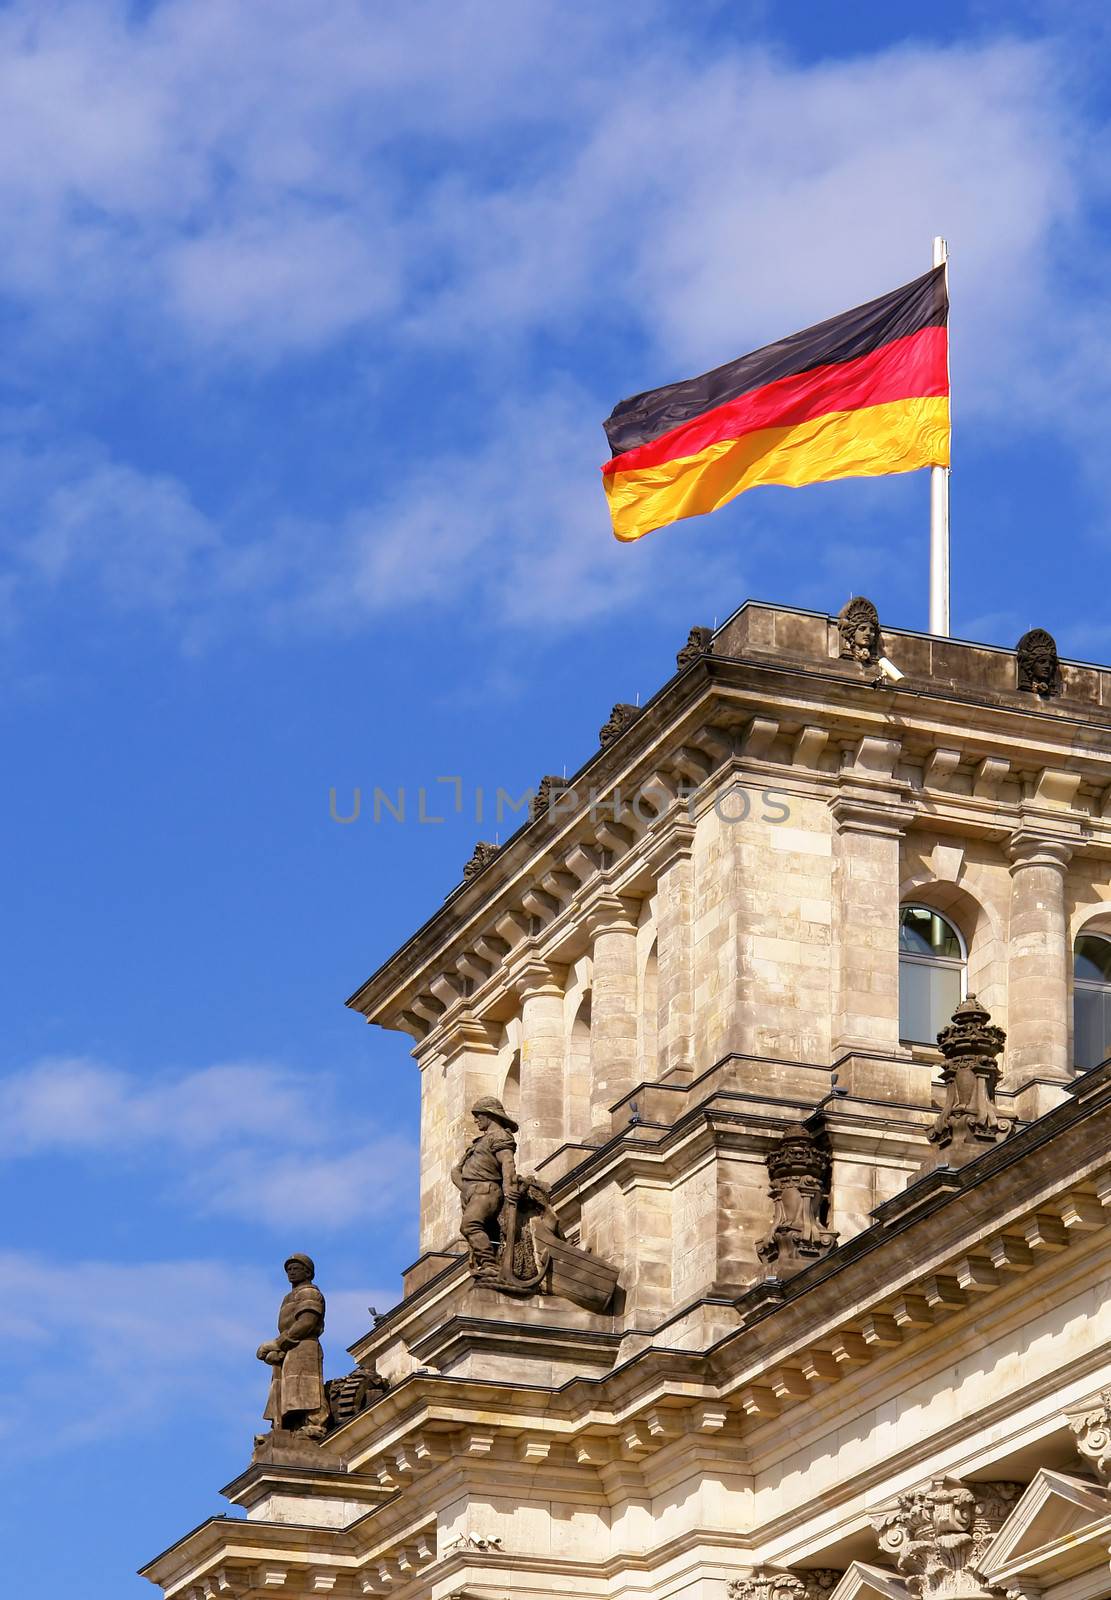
[296,1401]
[514,1236]
[486,1177]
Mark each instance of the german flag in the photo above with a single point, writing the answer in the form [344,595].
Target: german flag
[859,395]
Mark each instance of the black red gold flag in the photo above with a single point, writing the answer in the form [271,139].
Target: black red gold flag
[862,394]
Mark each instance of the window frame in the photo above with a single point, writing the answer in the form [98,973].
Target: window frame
[1086,986]
[959,963]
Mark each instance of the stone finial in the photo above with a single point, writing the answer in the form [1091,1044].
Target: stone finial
[698,644]
[858,622]
[541,799]
[1039,670]
[776,1583]
[619,719]
[484,853]
[968,1122]
[1092,1430]
[799,1170]
[938,1534]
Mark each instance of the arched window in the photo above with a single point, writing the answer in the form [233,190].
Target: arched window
[931,974]
[1091,1000]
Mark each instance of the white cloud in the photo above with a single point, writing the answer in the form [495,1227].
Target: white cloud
[244,185]
[262,1143]
[279,175]
[97,1348]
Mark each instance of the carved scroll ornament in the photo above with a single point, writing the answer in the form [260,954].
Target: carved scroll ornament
[939,1533]
[799,1170]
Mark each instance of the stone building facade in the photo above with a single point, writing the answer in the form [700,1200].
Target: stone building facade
[858,1340]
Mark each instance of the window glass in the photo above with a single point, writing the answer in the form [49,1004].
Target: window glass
[1091,1004]
[924,933]
[1093,959]
[931,974]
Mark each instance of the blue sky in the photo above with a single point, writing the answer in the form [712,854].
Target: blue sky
[312,316]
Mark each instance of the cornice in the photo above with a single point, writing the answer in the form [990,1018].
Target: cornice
[736,691]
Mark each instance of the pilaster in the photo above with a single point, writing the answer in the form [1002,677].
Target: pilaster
[540,988]
[673,866]
[458,1063]
[868,824]
[611,921]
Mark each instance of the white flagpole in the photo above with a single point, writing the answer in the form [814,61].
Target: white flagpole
[939,514]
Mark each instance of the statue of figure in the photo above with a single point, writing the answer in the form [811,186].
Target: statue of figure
[859,625]
[486,1177]
[1038,667]
[296,1401]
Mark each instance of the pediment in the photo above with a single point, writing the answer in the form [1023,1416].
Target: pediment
[863,1581]
[1050,1529]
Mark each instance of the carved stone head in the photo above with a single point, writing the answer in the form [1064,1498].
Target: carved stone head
[300,1269]
[859,625]
[1038,668]
[492,1110]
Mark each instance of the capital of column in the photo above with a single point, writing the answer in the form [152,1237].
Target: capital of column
[1029,847]
[676,845]
[857,813]
[462,1035]
[610,913]
[537,977]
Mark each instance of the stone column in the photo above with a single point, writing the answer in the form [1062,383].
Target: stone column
[1038,959]
[868,828]
[673,866]
[540,988]
[613,1017]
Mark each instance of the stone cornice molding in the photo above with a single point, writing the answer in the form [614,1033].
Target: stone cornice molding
[461,1034]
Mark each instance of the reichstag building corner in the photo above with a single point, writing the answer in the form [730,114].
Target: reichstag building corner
[765,1165]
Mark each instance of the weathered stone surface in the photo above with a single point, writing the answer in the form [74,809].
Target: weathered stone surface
[349,1396]
[483,854]
[616,723]
[698,644]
